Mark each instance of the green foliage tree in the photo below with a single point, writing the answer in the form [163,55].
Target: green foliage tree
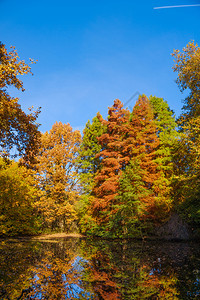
[87,161]
[88,165]
[18,195]
[18,130]
[168,137]
[166,131]
[129,208]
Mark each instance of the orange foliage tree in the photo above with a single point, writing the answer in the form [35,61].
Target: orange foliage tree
[57,175]
[142,144]
[18,130]
[112,162]
[130,186]
[143,190]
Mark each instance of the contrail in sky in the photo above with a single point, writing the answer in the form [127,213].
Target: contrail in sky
[175,6]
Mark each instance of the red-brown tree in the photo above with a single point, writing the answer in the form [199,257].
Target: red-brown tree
[113,161]
[141,144]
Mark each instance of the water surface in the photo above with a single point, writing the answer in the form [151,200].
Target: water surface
[78,268]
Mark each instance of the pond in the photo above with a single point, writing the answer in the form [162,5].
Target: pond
[82,268]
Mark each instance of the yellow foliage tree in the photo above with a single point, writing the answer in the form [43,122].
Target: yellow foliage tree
[187,157]
[57,176]
[17,197]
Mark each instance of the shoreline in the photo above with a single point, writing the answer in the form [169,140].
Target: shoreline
[57,235]
[43,236]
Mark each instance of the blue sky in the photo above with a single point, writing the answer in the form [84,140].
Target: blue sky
[92,52]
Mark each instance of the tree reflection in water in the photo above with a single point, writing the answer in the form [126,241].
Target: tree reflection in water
[56,277]
[99,269]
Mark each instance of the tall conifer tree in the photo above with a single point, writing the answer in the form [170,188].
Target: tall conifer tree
[87,161]
[142,144]
[166,131]
[113,161]
[88,165]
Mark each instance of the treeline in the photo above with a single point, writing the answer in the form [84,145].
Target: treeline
[123,177]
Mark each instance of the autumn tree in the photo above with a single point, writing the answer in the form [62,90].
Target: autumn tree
[57,176]
[18,194]
[187,64]
[19,133]
[113,161]
[145,190]
[131,187]
[142,145]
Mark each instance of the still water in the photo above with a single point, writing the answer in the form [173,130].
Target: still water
[79,268]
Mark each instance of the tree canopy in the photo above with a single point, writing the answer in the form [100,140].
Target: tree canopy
[187,158]
[57,175]
[123,177]
[19,132]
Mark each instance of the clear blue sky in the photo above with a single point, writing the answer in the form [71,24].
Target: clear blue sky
[92,52]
